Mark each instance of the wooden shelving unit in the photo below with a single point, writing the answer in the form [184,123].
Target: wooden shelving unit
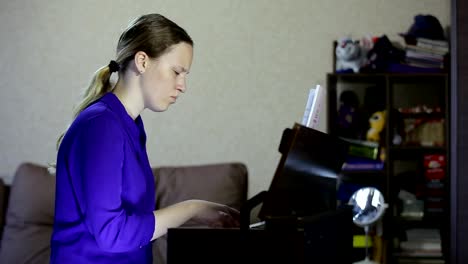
[391,92]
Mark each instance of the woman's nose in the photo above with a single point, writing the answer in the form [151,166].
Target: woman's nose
[182,85]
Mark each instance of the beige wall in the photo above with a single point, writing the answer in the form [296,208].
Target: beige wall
[254,64]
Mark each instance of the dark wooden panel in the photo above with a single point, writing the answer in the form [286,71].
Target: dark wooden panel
[459,133]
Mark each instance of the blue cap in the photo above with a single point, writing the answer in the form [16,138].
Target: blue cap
[425,26]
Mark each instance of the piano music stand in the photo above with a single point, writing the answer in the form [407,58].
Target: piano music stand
[305,180]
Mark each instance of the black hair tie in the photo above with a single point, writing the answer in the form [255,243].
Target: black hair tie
[114,66]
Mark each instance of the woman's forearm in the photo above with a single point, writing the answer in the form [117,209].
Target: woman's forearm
[202,212]
[173,216]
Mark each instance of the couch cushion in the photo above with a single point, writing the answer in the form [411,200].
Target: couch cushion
[222,183]
[29,218]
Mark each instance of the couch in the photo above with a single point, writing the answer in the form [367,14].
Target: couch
[27,205]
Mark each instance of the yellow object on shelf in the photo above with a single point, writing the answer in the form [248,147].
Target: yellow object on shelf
[359,241]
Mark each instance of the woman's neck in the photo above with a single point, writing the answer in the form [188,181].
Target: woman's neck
[130,97]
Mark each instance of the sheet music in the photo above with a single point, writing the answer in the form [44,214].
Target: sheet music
[314,106]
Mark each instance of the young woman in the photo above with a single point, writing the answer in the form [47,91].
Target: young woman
[105,187]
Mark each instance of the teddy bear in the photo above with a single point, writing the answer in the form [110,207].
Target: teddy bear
[348,115]
[350,55]
[377,124]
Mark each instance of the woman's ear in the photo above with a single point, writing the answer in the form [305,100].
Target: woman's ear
[141,60]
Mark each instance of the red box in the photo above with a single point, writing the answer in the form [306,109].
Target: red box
[434,161]
[434,174]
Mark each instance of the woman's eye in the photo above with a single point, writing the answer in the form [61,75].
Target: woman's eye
[176,72]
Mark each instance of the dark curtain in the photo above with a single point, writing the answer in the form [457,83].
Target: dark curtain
[459,133]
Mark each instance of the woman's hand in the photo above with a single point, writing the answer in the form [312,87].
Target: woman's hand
[214,214]
[198,211]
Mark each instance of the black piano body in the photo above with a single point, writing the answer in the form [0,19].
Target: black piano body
[302,222]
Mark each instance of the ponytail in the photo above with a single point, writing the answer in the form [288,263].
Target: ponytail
[100,85]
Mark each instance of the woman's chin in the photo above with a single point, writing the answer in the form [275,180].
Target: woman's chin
[159,108]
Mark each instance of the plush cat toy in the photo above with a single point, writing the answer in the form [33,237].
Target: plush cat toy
[349,55]
[377,124]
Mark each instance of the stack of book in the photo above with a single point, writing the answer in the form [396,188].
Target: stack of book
[421,246]
[427,53]
[362,156]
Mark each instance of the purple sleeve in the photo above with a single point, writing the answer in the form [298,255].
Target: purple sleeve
[98,157]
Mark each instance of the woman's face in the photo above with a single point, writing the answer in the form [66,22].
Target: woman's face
[165,77]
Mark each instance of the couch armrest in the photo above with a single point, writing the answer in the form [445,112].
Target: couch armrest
[29,217]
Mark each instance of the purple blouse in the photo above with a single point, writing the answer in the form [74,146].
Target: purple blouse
[105,189]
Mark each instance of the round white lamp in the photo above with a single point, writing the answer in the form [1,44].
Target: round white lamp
[368,207]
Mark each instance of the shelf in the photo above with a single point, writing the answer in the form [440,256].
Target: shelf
[435,115]
[403,75]
[412,152]
[366,177]
[421,78]
[405,256]
[358,77]
[364,172]
[426,222]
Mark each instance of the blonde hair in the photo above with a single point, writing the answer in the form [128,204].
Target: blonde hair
[153,34]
